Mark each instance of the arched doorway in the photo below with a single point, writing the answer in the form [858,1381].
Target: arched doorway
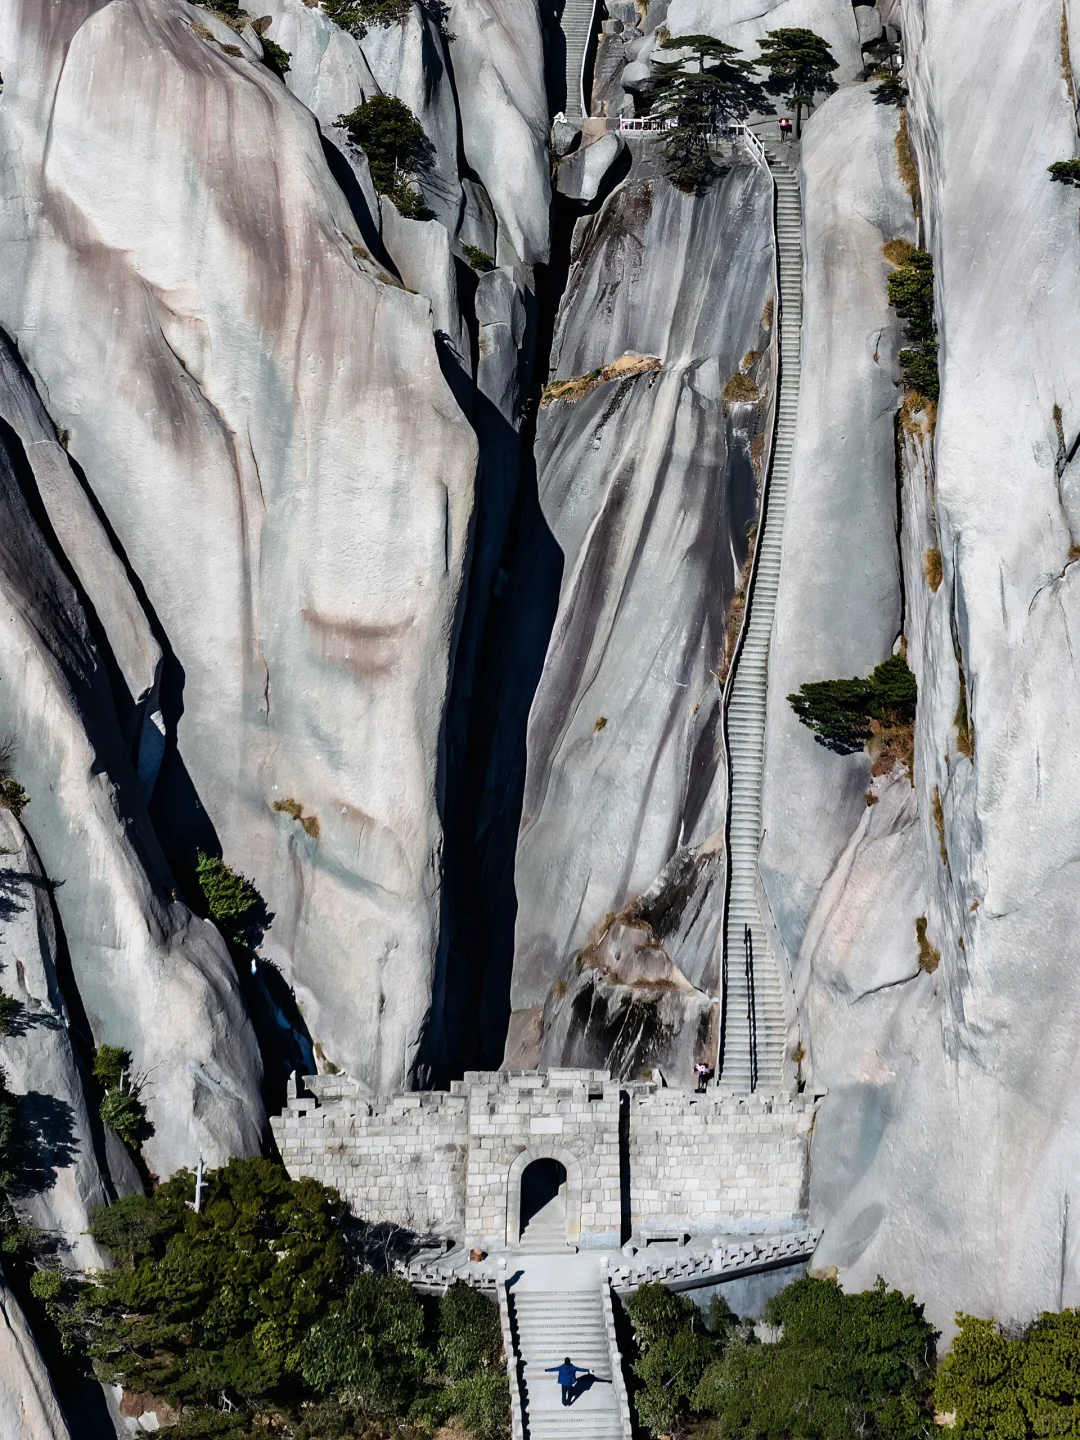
[543,1203]
[543,1199]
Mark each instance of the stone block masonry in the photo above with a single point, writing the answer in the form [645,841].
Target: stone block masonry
[637,1157]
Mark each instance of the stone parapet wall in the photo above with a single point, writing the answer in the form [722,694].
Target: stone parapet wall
[399,1158]
[635,1155]
[717,1162]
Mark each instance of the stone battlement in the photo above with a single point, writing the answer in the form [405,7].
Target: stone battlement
[635,1155]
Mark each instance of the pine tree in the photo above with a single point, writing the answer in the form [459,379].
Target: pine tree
[800,66]
[718,89]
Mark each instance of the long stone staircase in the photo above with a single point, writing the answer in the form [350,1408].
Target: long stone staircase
[755,1019]
[548,1325]
[577,23]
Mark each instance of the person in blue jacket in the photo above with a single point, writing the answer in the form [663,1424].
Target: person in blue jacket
[567,1373]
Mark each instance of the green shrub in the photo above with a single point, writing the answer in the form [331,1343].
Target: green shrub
[1026,1386]
[842,713]
[1067,171]
[111,1065]
[12,796]
[391,137]
[482,1403]
[369,1346]
[121,1108]
[675,1350]
[46,1284]
[219,1300]
[356,15]
[10,1011]
[275,57]
[122,1111]
[477,258]
[845,1367]
[131,1228]
[911,293]
[470,1336]
[229,896]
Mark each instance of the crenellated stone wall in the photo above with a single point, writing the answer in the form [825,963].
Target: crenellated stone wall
[637,1156]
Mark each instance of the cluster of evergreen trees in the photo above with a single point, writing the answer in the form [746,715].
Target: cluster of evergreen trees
[715,85]
[849,1367]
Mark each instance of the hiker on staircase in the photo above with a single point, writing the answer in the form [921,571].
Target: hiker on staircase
[567,1373]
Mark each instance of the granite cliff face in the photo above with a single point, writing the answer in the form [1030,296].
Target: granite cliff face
[647,486]
[946,1155]
[296,567]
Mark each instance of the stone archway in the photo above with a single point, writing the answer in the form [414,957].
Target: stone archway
[570,1164]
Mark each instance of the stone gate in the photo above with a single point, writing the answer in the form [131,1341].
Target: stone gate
[639,1158]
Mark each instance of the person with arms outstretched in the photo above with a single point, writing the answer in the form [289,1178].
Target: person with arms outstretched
[567,1373]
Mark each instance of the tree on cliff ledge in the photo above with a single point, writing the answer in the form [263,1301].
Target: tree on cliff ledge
[699,101]
[800,66]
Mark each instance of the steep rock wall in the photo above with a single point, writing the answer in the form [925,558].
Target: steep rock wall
[946,1155]
[266,428]
[152,978]
[647,490]
[839,606]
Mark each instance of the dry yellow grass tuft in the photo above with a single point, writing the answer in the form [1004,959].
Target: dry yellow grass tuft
[909,171]
[897,251]
[308,823]
[932,569]
[741,390]
[766,315]
[939,826]
[1074,553]
[929,955]
[750,359]
[624,368]
[965,730]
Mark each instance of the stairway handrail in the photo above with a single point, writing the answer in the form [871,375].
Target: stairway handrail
[618,1379]
[586,108]
[513,1363]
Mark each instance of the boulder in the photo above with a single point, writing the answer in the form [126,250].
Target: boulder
[498,59]
[28,1404]
[60,1184]
[580,175]
[954,1094]
[137,953]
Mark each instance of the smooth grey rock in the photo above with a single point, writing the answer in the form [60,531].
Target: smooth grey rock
[28,1406]
[868,20]
[477,219]
[38,1062]
[642,495]
[956,1096]
[840,618]
[328,70]
[580,175]
[87,548]
[289,476]
[422,254]
[137,953]
[498,59]
[564,138]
